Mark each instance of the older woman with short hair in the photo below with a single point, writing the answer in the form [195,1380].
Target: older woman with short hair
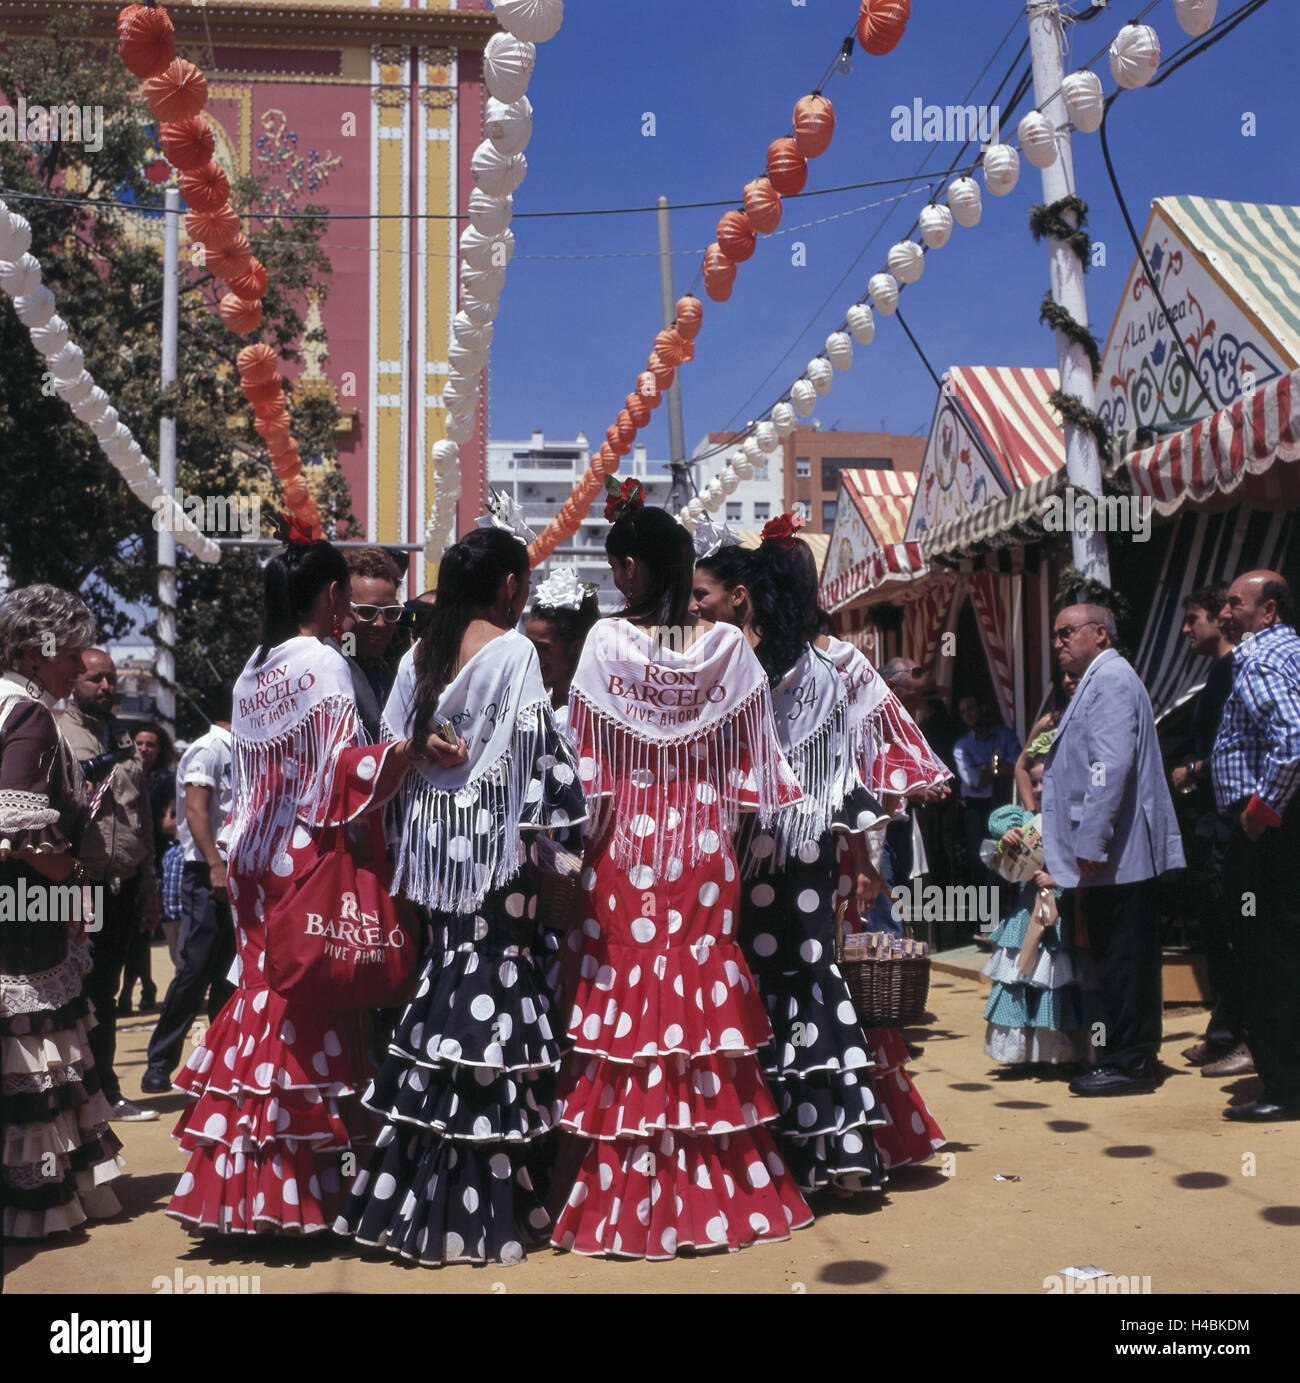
[59,1151]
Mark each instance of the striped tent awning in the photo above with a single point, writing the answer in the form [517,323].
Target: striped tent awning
[1015,519]
[883,498]
[899,562]
[1216,455]
[1008,405]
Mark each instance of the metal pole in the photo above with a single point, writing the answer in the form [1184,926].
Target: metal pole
[1082,463]
[681,491]
[166,640]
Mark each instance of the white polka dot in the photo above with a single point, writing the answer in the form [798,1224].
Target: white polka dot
[764,944]
[385,1185]
[706,792]
[624,1025]
[810,950]
[508,974]
[605,977]
[460,848]
[186,1184]
[732,1037]
[606,1176]
[332,1044]
[852,1143]
[845,1013]
[709,842]
[809,851]
[367,767]
[641,876]
[808,900]
[515,904]
[708,894]
[762,846]
[482,1007]
[320,1064]
[855,1056]
[588,878]
[499,1164]
[288,1033]
[482,1129]
[512,1252]
[898,779]
[215,1126]
[643,929]
[259,1000]
[579,1193]
[223,1166]
[642,825]
[668,1239]
[232,884]
[301,839]
[673,1035]
[282,865]
[758,1223]
[290,1192]
[918,1123]
[591,1028]
[449,1049]
[673,870]
[716,1230]
[453,1246]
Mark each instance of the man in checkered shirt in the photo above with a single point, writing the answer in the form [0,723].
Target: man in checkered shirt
[1255,766]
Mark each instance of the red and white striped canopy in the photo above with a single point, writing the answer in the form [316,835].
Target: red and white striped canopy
[1221,452]
[897,562]
[883,498]
[1009,405]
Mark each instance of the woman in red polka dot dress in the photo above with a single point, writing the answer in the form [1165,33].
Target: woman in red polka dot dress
[675,735]
[272,1088]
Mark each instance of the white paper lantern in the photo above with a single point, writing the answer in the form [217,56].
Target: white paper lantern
[965,200]
[906,261]
[1195,16]
[15,235]
[490,215]
[728,479]
[533,20]
[1084,102]
[116,446]
[480,311]
[936,225]
[475,337]
[508,64]
[687,521]
[461,406]
[1001,169]
[696,508]
[861,324]
[483,283]
[803,397]
[1037,139]
[106,426]
[35,309]
[20,276]
[446,455]
[820,375]
[883,289]
[765,436]
[509,125]
[465,361]
[1135,55]
[76,389]
[460,429]
[460,387]
[751,451]
[497,174]
[50,337]
[481,251]
[783,419]
[742,465]
[93,406]
[713,499]
[67,363]
[839,350]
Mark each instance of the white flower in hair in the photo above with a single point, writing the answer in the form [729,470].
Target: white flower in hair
[561,590]
[710,538]
[504,513]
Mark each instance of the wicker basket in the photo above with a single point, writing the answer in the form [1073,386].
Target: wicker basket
[559,900]
[888,991]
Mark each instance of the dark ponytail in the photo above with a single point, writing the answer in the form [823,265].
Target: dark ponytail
[571,627]
[783,602]
[663,547]
[294,578]
[469,576]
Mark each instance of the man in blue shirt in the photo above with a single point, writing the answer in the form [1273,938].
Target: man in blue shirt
[986,763]
[1255,768]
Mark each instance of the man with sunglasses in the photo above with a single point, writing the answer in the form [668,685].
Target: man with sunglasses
[1109,832]
[372,623]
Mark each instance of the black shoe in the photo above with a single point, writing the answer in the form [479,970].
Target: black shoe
[1262,1112]
[124,1009]
[155,1082]
[149,1004]
[1108,1080]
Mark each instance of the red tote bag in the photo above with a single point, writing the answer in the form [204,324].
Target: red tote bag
[338,939]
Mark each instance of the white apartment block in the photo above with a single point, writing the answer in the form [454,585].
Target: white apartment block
[753,501]
[540,474]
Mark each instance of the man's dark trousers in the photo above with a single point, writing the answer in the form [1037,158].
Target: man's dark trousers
[207,947]
[108,948]
[1123,927]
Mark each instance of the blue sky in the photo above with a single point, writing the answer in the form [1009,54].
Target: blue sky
[722,77]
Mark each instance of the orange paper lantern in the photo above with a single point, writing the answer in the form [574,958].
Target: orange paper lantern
[231,262]
[296,492]
[257,364]
[277,407]
[146,40]
[205,188]
[881,24]
[690,317]
[609,454]
[662,371]
[786,167]
[214,230]
[288,465]
[719,274]
[689,353]
[736,236]
[626,427]
[251,282]
[638,410]
[615,439]
[270,392]
[273,429]
[177,92]
[186,144]
[648,388]
[814,124]
[239,314]
[762,205]
[280,446]
[668,347]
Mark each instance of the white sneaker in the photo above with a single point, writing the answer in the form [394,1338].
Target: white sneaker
[124,1112]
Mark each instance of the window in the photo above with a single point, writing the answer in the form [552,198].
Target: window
[802,466]
[833,465]
[828,515]
[760,469]
[733,513]
[762,512]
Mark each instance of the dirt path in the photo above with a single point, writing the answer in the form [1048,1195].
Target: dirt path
[1157,1186]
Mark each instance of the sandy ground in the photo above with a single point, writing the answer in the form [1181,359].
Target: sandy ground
[1156,1186]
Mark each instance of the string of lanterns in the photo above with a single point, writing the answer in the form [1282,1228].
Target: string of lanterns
[1134,57]
[175,92]
[34,303]
[487,245]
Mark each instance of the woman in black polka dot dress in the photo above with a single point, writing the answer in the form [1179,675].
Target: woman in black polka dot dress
[469,1084]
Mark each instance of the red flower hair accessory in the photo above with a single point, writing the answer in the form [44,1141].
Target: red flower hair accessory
[291,531]
[622,498]
[782,529]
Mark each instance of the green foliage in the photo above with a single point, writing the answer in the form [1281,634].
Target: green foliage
[67,516]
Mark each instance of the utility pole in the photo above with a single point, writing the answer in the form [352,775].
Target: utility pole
[166,639]
[1082,462]
[681,492]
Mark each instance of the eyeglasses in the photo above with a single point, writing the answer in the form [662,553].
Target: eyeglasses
[368,614]
[1067,631]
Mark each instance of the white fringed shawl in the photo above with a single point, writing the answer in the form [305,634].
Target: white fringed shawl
[460,826]
[294,714]
[646,715]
